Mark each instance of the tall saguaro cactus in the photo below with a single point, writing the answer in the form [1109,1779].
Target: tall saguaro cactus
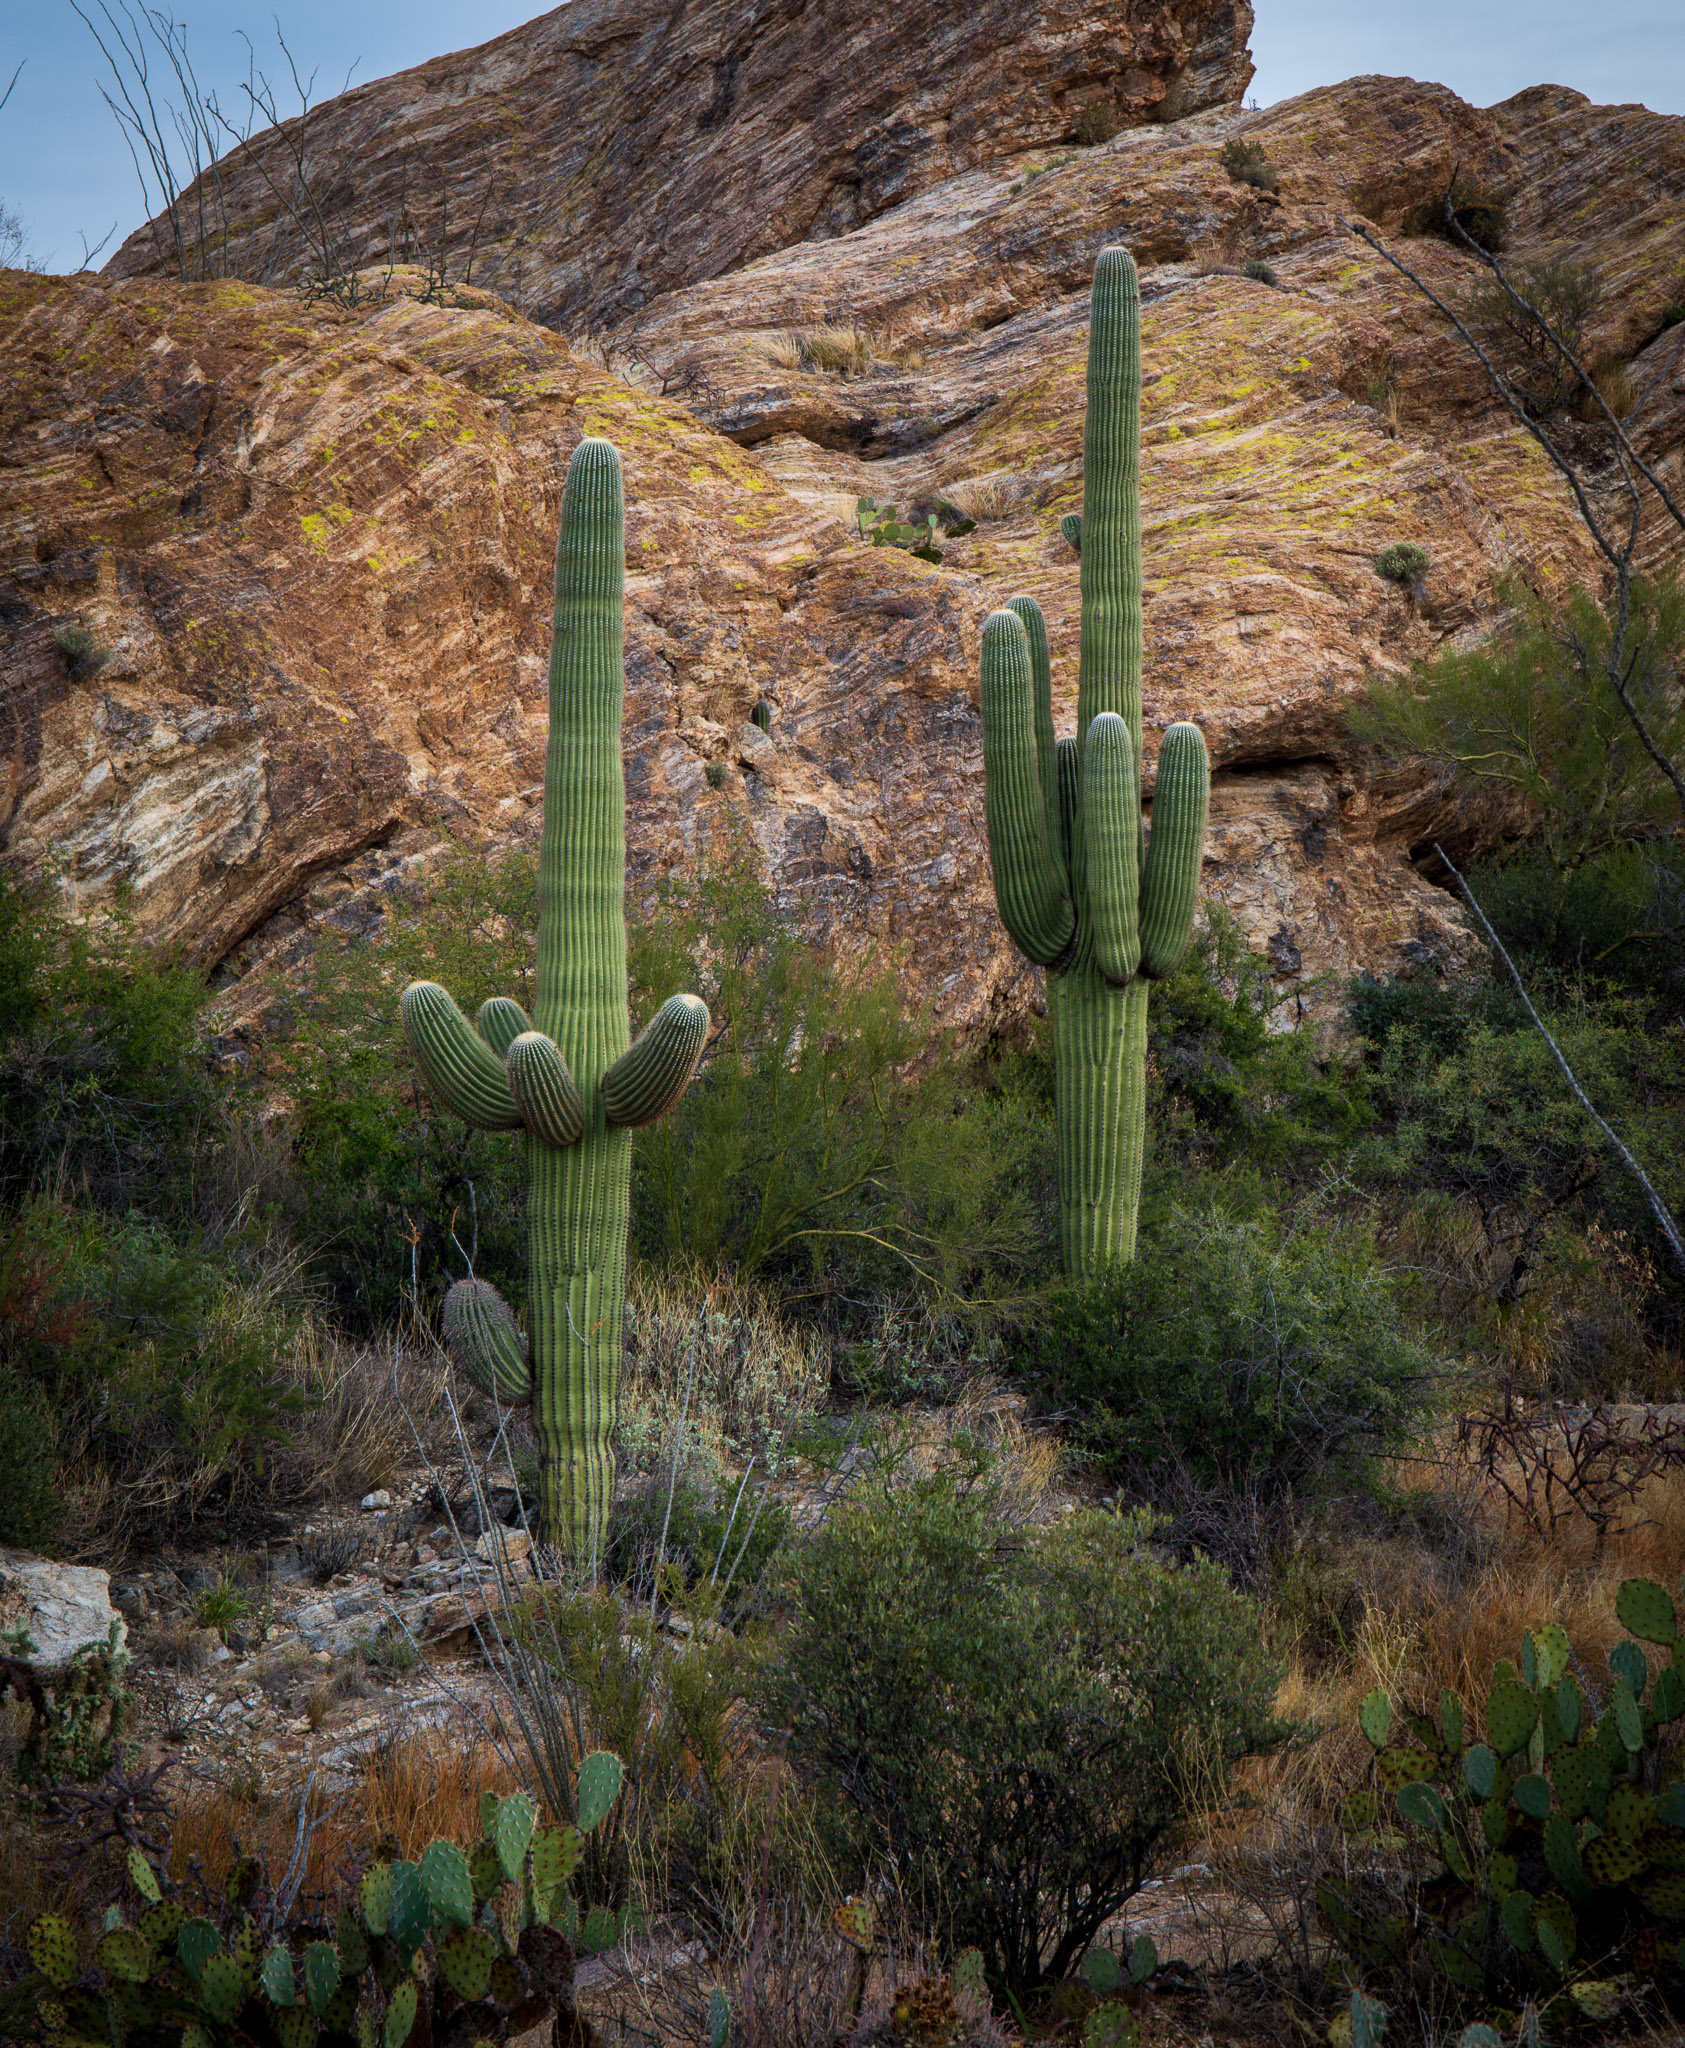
[567,1078]
[1078,884]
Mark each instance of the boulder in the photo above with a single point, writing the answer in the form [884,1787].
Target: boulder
[64,1608]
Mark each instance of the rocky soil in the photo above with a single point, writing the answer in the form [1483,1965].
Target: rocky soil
[316,539]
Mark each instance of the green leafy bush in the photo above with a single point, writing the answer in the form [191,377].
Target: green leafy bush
[1017,1719]
[31,1505]
[1553,1845]
[1403,562]
[162,1365]
[83,655]
[484,1940]
[1482,216]
[1234,1368]
[1247,164]
[1563,292]
[1098,122]
[100,1084]
[1233,1090]
[1528,717]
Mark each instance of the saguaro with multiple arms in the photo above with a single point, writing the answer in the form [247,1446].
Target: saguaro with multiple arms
[1079,885]
[567,1078]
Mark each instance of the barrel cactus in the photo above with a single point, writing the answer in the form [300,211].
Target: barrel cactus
[1080,887]
[567,1078]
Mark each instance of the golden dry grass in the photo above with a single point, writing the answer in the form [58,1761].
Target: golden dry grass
[842,351]
[984,497]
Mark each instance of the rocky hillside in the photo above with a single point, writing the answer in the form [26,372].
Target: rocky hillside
[316,540]
[614,149]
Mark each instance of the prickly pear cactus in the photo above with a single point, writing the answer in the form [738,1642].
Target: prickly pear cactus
[467,1939]
[1558,1831]
[1079,886]
[568,1077]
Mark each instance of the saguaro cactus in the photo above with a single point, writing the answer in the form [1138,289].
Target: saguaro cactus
[567,1077]
[1079,886]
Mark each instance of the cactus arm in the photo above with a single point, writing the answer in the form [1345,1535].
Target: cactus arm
[1170,878]
[655,1071]
[1111,819]
[543,1090]
[1041,675]
[460,1069]
[500,1021]
[1071,527]
[1109,678]
[1032,903]
[484,1342]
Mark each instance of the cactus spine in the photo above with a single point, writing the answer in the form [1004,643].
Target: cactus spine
[567,1078]
[1079,887]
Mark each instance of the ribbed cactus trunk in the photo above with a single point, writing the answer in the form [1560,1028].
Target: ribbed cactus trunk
[1078,887]
[568,1078]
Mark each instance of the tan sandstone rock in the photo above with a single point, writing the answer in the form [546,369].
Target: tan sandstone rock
[318,540]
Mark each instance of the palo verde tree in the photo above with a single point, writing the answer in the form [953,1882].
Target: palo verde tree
[1079,885]
[567,1079]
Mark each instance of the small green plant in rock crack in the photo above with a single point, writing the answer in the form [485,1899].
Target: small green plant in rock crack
[1247,164]
[494,1930]
[83,654]
[222,1605]
[879,524]
[1405,562]
[1559,1878]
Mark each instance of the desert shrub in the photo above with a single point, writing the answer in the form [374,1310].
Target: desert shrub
[1098,122]
[1404,561]
[1016,1723]
[31,1505]
[1247,164]
[83,655]
[811,1145]
[715,774]
[1234,1369]
[76,1726]
[720,1537]
[1482,216]
[101,1087]
[1475,1111]
[1259,271]
[387,1195]
[162,1366]
[1564,293]
[1233,1092]
[1529,717]
[743,1376]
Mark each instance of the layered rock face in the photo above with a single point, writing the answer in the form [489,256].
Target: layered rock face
[614,149]
[317,541]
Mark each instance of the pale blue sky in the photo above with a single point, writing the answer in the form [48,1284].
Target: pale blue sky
[65,170]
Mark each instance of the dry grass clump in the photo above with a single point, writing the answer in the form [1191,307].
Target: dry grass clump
[353,1437]
[782,348]
[983,1431]
[752,1375]
[985,497]
[842,351]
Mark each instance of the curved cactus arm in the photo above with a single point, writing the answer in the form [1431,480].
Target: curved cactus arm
[484,1341]
[1072,838]
[543,1089]
[1028,890]
[1041,675]
[651,1075]
[500,1021]
[460,1069]
[1071,527]
[1111,820]
[1170,878]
